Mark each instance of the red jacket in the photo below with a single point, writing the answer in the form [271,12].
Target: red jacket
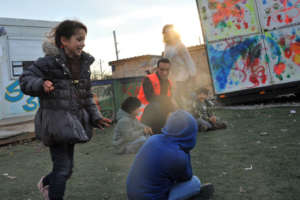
[156,89]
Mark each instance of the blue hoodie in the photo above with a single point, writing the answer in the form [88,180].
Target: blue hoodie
[164,159]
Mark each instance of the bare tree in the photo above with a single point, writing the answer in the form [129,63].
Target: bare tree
[99,72]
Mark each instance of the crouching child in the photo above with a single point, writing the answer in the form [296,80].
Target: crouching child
[203,111]
[162,168]
[129,133]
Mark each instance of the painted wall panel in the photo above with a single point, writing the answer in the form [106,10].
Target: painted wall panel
[21,41]
[228,18]
[278,13]
[2,58]
[283,49]
[15,103]
[238,64]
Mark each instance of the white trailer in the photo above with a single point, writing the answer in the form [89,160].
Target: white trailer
[253,48]
[20,45]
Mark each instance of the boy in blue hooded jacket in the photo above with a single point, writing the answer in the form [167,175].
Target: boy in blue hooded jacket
[162,168]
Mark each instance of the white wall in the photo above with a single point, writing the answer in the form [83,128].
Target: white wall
[22,42]
[2,57]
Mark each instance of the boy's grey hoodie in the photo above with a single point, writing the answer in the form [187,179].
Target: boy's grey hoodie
[126,131]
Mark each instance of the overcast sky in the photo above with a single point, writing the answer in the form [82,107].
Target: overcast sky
[138,23]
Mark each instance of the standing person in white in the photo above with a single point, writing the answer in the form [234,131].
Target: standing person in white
[183,69]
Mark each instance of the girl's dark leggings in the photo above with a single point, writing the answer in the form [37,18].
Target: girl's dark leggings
[62,158]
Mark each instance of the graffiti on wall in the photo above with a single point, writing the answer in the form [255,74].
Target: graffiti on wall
[275,14]
[238,63]
[110,96]
[104,99]
[13,94]
[283,47]
[227,18]
[130,89]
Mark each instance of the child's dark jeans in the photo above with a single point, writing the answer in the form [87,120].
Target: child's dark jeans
[62,158]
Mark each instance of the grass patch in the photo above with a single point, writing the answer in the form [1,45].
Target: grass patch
[266,139]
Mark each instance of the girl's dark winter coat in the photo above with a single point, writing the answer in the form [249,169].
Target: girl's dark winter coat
[69,108]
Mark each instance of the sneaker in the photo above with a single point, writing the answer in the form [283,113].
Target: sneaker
[43,189]
[40,184]
[219,125]
[46,192]
[203,128]
[206,191]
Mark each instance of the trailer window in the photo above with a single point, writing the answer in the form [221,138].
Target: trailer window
[18,66]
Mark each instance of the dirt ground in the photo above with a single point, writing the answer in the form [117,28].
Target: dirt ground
[256,157]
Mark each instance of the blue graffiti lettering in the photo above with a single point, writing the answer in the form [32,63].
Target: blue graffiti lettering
[31,104]
[13,92]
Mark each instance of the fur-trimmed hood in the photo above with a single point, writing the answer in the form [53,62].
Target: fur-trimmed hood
[49,48]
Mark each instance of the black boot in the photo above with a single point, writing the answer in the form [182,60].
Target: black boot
[218,125]
[206,192]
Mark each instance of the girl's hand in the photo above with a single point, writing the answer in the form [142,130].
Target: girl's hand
[104,122]
[48,86]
